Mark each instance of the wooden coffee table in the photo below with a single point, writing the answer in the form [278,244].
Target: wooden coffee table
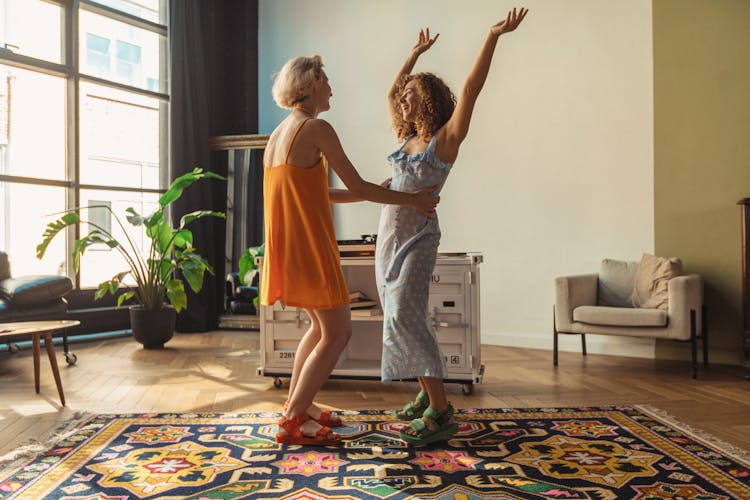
[37,330]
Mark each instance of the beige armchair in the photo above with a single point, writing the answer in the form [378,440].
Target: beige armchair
[601,304]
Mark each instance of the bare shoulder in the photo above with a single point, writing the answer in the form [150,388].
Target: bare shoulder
[318,131]
[318,125]
[270,149]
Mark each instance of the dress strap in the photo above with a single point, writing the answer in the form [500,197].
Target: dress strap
[291,143]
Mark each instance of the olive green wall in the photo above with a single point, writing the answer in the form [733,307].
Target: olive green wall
[702,153]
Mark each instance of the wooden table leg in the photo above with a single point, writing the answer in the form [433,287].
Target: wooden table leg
[53,363]
[35,350]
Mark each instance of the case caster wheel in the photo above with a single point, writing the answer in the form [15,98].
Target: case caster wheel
[277,383]
[12,347]
[70,358]
[467,389]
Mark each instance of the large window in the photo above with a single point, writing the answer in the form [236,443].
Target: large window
[83,121]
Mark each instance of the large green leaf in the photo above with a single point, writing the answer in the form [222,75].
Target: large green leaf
[176,294]
[110,286]
[154,219]
[183,238]
[134,218]
[52,229]
[190,254]
[166,268]
[193,271]
[102,290]
[162,235]
[125,296]
[182,182]
[188,218]
[94,237]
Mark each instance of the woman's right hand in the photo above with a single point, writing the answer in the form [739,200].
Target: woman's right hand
[510,23]
[425,202]
[424,42]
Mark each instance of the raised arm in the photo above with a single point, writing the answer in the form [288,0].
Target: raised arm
[358,188]
[424,42]
[457,127]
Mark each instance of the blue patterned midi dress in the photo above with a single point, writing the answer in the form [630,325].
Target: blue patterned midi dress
[405,256]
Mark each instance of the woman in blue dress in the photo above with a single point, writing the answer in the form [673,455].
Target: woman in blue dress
[431,123]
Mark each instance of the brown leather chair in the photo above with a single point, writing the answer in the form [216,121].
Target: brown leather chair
[33,298]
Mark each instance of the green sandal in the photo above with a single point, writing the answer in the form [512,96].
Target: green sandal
[410,411]
[424,434]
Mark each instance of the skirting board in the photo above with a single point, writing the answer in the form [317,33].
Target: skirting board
[595,344]
[681,351]
[611,345]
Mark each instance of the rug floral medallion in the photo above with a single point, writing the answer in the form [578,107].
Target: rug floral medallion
[524,453]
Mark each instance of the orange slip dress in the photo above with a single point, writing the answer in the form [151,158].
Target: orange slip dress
[301,265]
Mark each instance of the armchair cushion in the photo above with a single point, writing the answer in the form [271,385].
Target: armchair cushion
[31,290]
[615,285]
[650,287]
[620,316]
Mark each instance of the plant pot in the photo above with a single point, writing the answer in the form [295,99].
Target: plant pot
[152,327]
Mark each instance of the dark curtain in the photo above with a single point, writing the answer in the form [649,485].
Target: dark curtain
[213,92]
[247,213]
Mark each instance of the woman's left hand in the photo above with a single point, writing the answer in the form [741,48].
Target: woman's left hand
[510,23]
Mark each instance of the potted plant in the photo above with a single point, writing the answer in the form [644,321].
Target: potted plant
[158,292]
[242,286]
[248,270]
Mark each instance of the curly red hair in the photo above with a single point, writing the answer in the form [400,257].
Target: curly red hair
[438,103]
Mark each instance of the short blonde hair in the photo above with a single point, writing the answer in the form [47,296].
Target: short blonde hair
[295,80]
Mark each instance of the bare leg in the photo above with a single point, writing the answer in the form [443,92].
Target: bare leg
[436,391]
[305,347]
[335,330]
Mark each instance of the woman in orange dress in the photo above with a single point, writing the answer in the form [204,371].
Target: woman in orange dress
[301,266]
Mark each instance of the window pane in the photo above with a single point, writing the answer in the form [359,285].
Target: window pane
[145,9]
[32,124]
[101,263]
[98,55]
[32,28]
[119,138]
[122,53]
[26,210]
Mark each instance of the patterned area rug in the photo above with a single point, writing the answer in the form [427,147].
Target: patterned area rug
[525,453]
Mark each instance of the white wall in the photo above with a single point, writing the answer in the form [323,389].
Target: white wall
[557,170]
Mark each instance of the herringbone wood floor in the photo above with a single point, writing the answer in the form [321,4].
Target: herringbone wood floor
[216,372]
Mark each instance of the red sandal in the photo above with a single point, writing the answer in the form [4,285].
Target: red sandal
[329,419]
[326,418]
[293,434]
